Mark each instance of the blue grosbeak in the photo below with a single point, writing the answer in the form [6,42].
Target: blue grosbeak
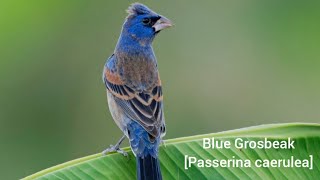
[134,89]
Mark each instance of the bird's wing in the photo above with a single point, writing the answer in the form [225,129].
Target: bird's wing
[146,108]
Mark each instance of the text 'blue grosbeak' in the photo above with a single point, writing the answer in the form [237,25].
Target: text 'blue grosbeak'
[134,89]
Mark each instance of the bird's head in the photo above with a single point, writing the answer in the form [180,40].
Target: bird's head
[143,24]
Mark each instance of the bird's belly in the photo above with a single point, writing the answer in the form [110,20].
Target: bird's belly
[117,113]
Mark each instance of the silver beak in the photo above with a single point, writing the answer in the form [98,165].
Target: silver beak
[162,23]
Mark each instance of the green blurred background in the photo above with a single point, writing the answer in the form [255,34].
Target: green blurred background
[225,65]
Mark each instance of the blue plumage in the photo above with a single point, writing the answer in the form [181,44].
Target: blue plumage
[140,141]
[134,89]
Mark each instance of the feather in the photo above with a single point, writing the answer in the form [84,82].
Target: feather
[138,9]
[143,107]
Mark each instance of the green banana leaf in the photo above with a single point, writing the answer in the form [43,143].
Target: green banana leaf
[172,157]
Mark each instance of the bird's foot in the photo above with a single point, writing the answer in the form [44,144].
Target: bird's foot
[115,148]
[163,143]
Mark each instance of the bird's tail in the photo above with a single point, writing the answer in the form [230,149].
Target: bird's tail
[148,168]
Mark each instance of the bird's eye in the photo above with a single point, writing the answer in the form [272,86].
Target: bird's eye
[146,21]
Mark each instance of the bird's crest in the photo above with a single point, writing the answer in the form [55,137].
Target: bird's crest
[138,9]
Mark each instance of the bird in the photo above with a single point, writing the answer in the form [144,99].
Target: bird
[134,89]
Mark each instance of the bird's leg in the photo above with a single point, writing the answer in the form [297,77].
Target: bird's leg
[163,143]
[116,148]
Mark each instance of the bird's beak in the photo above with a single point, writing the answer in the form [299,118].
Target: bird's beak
[162,23]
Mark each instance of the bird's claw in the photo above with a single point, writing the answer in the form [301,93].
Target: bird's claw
[163,143]
[122,152]
[113,148]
